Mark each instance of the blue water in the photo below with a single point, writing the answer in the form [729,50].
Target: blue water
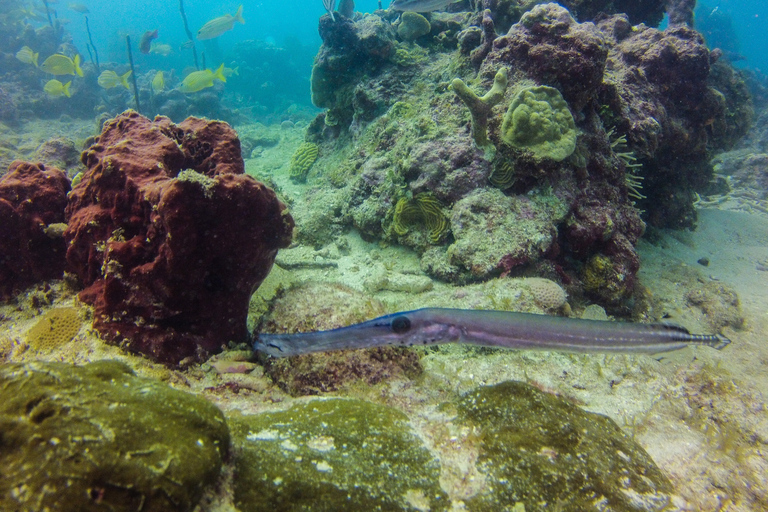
[271,21]
[740,26]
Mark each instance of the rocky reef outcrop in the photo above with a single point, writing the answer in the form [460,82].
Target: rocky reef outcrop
[32,201]
[590,130]
[169,237]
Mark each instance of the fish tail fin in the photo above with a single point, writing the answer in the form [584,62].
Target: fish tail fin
[124,79]
[78,69]
[235,71]
[34,59]
[239,15]
[219,73]
[66,89]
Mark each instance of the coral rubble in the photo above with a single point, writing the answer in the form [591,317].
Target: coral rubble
[169,237]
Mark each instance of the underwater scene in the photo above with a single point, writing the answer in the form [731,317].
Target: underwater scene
[398,255]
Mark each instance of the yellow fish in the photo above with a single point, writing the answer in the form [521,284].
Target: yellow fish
[199,80]
[59,64]
[56,89]
[218,26]
[158,83]
[27,56]
[109,79]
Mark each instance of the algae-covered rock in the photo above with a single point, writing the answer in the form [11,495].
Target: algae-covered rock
[332,455]
[543,452]
[412,26]
[538,120]
[97,437]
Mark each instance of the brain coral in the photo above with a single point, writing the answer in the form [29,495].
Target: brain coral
[538,120]
[57,327]
[302,161]
[547,294]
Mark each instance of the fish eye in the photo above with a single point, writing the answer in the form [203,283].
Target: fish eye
[400,324]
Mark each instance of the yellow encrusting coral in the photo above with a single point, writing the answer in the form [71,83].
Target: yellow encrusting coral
[57,327]
[302,161]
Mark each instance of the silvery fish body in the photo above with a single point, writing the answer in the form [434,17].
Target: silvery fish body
[420,5]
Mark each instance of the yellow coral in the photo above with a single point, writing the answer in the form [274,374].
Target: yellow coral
[302,161]
[57,327]
[424,208]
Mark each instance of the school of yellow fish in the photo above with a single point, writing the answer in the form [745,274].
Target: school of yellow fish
[60,64]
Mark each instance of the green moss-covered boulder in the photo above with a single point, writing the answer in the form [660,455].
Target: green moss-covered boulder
[412,26]
[544,453]
[332,455]
[538,120]
[97,437]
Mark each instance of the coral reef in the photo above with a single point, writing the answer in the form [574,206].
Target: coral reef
[32,201]
[169,237]
[98,437]
[480,106]
[412,26]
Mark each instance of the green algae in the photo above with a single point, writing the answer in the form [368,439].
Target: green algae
[541,451]
[97,437]
[331,455]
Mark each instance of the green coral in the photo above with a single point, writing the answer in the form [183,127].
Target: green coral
[541,452]
[96,437]
[538,120]
[503,174]
[412,26]
[480,107]
[423,208]
[331,455]
[302,161]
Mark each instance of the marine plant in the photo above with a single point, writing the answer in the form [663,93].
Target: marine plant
[538,120]
[423,208]
[632,180]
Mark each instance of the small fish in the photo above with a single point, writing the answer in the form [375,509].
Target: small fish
[199,80]
[27,56]
[228,72]
[158,82]
[56,89]
[109,79]
[161,49]
[218,26]
[78,7]
[420,5]
[146,41]
[59,64]
[187,45]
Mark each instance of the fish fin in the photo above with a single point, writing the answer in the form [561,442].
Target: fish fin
[124,79]
[66,89]
[219,73]
[78,70]
[239,15]
[34,59]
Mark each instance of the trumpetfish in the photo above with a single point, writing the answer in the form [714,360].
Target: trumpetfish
[489,328]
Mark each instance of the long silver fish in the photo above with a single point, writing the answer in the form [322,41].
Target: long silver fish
[503,329]
[420,5]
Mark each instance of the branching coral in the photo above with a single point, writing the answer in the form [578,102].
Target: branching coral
[480,107]
[632,180]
